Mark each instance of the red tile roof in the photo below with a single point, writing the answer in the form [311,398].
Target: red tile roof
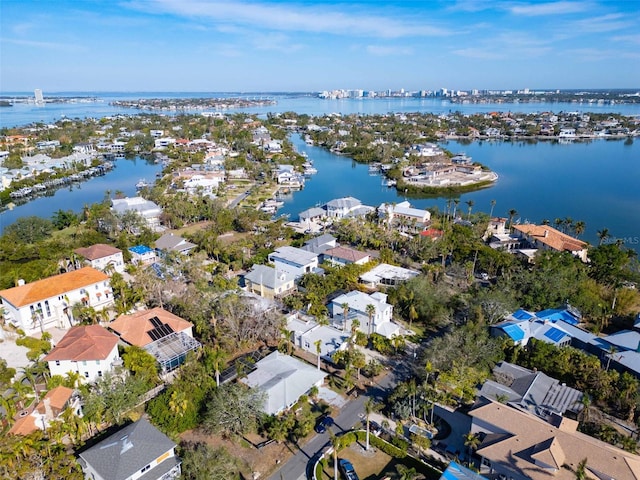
[99,250]
[134,328]
[58,398]
[88,342]
[551,237]
[24,426]
[52,286]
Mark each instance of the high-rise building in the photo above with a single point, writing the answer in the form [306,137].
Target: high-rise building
[39,97]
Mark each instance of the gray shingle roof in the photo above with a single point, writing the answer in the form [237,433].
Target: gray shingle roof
[128,450]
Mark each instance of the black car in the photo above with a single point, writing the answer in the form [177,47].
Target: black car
[324,422]
[347,469]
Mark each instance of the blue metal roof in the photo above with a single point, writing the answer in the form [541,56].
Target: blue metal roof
[521,314]
[457,472]
[140,249]
[514,331]
[555,335]
[554,314]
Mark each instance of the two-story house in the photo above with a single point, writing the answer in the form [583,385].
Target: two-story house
[49,409]
[361,306]
[269,282]
[544,237]
[137,451]
[47,303]
[102,257]
[294,261]
[90,350]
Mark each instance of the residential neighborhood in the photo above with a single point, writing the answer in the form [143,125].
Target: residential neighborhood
[189,327]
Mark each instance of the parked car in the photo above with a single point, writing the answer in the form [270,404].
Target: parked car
[323,423]
[347,470]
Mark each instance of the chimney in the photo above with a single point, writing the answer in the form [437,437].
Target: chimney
[47,408]
[546,233]
[20,282]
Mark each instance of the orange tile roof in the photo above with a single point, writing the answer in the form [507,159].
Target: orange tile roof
[52,286]
[133,328]
[551,237]
[99,250]
[24,426]
[87,342]
[58,398]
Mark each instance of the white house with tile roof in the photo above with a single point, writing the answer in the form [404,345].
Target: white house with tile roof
[46,303]
[90,350]
[100,256]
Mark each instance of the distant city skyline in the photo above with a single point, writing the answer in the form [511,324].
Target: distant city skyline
[317,45]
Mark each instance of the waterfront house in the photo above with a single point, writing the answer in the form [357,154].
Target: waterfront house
[137,451]
[89,350]
[343,207]
[49,409]
[162,143]
[518,445]
[102,257]
[358,302]
[283,379]
[47,303]
[386,275]
[294,261]
[170,242]
[148,210]
[164,335]
[548,238]
[142,255]
[404,217]
[269,282]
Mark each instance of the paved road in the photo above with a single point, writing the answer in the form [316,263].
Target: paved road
[350,415]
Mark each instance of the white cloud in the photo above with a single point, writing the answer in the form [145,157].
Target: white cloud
[46,45]
[550,8]
[293,17]
[605,23]
[479,53]
[385,50]
[595,54]
[627,38]
[277,42]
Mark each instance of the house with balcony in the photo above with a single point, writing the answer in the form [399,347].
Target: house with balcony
[89,350]
[142,255]
[101,256]
[384,274]
[404,217]
[46,303]
[170,242]
[354,305]
[137,451]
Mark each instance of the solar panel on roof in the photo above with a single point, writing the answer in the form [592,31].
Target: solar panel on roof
[153,334]
[160,331]
[155,321]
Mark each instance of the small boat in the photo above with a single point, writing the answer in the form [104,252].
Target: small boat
[391,183]
[142,183]
[308,171]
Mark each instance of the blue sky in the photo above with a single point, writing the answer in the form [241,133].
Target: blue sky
[311,45]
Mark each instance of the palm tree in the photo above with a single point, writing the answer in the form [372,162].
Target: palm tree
[581,473]
[318,344]
[512,213]
[545,221]
[345,314]
[286,341]
[456,202]
[558,222]
[216,359]
[369,407]
[470,204]
[603,235]
[371,311]
[336,443]
[472,442]
[579,228]
[408,473]
[493,204]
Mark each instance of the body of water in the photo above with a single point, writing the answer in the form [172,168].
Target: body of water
[123,177]
[597,183]
[24,113]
